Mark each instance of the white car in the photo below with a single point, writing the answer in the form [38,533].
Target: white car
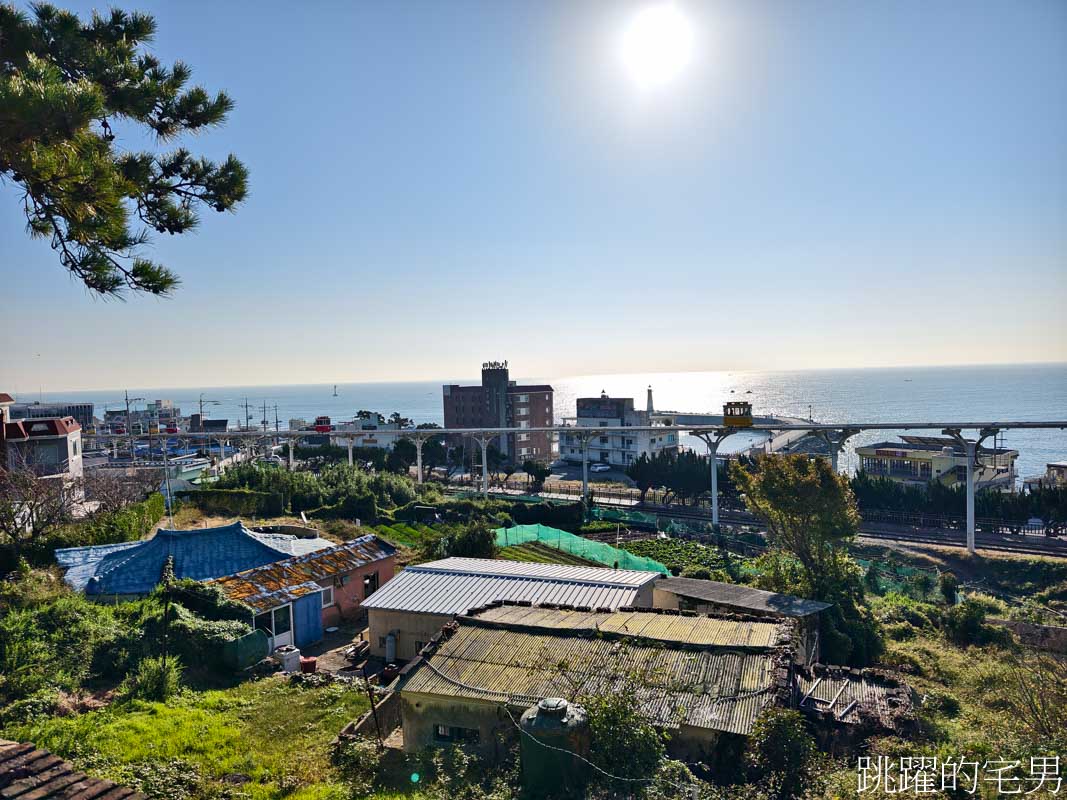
[600,468]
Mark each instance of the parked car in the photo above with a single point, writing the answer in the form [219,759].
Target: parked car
[600,468]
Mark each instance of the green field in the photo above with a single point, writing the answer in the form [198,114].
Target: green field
[537,553]
[677,553]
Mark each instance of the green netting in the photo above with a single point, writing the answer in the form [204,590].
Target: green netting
[599,552]
[621,515]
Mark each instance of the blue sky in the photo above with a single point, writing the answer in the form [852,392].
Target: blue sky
[826,184]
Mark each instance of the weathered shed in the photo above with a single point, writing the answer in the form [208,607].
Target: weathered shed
[407,612]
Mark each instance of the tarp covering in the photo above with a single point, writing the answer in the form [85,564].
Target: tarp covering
[576,545]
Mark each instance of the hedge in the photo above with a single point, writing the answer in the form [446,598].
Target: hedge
[236,502]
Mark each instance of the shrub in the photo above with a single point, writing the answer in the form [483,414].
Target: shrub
[942,702]
[965,625]
[781,754]
[948,584]
[153,679]
[236,502]
[359,763]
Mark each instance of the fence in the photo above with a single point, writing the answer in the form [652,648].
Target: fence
[565,542]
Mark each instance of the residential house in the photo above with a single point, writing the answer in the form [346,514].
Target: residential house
[413,607]
[294,600]
[132,569]
[918,460]
[616,448]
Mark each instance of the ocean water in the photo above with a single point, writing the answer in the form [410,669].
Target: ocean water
[913,394]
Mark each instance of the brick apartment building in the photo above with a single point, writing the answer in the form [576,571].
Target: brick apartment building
[502,403]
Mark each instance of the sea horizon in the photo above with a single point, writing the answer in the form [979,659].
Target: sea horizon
[961,393]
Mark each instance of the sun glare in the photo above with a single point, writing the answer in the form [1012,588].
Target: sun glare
[657,44]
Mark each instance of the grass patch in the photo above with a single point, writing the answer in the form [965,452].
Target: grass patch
[266,739]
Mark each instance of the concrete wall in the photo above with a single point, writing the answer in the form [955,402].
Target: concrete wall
[409,626]
[1044,637]
[348,592]
[422,713]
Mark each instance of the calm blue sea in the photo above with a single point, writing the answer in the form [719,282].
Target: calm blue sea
[1027,392]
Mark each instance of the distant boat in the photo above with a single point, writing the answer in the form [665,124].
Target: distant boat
[335,390]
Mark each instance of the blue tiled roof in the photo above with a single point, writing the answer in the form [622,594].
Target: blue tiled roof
[202,553]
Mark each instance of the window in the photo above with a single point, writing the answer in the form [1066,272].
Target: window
[370,584]
[327,596]
[451,733]
[276,622]
[603,439]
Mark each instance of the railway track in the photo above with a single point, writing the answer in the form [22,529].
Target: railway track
[1023,544]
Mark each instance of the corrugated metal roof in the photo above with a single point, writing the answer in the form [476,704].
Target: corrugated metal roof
[742,597]
[455,585]
[703,631]
[200,554]
[837,690]
[566,572]
[719,689]
[31,773]
[276,584]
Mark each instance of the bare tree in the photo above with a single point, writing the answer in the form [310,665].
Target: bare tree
[32,506]
[1037,693]
[112,490]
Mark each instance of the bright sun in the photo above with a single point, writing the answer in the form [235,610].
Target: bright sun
[657,44]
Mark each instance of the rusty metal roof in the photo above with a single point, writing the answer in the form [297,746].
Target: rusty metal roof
[697,630]
[853,696]
[722,689]
[273,585]
[26,772]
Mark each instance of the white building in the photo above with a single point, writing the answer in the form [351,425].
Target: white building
[617,448]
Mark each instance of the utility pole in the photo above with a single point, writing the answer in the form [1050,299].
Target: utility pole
[248,415]
[129,427]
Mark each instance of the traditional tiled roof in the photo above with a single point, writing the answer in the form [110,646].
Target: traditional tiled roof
[743,598]
[27,773]
[454,585]
[6,399]
[719,688]
[276,584]
[133,568]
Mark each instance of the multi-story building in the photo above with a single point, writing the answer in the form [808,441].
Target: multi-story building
[617,448]
[82,412]
[49,447]
[918,460]
[1055,477]
[500,402]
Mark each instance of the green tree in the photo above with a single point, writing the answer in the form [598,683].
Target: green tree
[781,754]
[537,471]
[811,514]
[808,508]
[63,82]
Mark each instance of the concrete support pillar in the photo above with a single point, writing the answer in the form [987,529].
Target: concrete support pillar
[713,439]
[713,456]
[484,442]
[419,442]
[585,471]
[292,459]
[972,448]
[351,460]
[835,441]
